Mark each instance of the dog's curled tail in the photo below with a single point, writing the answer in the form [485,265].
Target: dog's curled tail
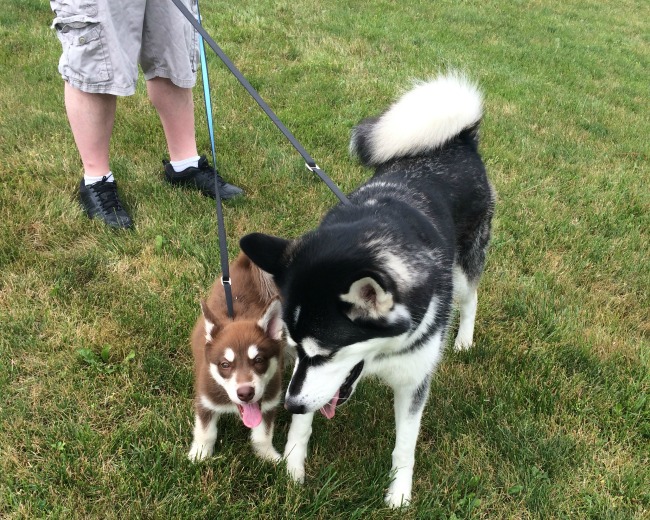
[424,118]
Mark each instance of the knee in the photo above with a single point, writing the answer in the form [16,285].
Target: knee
[162,92]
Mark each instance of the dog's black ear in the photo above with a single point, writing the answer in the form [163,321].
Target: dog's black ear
[372,305]
[265,251]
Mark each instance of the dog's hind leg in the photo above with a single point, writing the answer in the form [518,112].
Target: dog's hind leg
[262,438]
[470,261]
[205,434]
[466,295]
[409,404]
[295,452]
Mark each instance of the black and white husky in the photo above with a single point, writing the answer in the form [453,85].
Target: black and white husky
[369,292]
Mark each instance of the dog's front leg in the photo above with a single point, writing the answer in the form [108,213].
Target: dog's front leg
[262,438]
[409,403]
[205,434]
[295,451]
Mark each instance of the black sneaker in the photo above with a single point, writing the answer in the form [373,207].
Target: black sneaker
[201,178]
[100,200]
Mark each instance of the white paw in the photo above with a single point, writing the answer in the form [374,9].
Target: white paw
[398,495]
[296,471]
[267,453]
[462,343]
[200,452]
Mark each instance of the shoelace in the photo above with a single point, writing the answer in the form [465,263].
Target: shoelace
[206,169]
[107,194]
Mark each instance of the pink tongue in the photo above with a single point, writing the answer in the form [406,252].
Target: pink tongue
[330,408]
[250,414]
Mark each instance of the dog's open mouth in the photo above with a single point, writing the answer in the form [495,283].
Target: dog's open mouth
[343,393]
[250,414]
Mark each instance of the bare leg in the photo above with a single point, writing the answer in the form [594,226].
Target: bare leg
[91,118]
[175,107]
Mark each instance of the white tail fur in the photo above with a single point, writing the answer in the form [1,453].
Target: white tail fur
[424,118]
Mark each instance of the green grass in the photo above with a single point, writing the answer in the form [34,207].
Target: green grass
[547,417]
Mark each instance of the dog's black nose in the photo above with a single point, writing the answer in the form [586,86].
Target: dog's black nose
[295,408]
[246,393]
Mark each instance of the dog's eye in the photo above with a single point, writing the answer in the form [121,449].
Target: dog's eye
[259,360]
[225,365]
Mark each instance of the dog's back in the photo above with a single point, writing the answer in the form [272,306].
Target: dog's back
[427,142]
[252,291]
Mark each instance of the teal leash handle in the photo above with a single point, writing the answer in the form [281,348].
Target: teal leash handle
[223,242]
[206,88]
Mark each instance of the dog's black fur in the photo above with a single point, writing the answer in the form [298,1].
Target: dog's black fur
[370,290]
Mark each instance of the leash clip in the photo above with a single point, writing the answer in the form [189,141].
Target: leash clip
[226,281]
[312,168]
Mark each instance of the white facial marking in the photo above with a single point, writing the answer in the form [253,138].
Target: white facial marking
[218,408]
[255,380]
[229,354]
[323,380]
[312,348]
[253,352]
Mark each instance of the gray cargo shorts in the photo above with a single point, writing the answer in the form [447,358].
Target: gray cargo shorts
[104,41]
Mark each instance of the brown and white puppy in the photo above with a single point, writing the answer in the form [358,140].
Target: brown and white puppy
[238,362]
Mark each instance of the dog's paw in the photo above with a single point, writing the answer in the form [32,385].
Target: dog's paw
[397,500]
[462,343]
[267,453]
[398,495]
[296,472]
[199,452]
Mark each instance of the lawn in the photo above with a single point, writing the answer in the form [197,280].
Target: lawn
[548,416]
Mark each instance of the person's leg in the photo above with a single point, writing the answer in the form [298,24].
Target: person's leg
[98,63]
[170,70]
[91,118]
[175,107]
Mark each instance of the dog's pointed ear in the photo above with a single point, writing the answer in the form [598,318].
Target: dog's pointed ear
[265,251]
[210,323]
[271,322]
[371,304]
[368,299]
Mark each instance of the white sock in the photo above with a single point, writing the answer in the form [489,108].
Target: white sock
[89,179]
[179,166]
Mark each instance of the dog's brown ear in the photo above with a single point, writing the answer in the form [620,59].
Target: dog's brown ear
[210,322]
[271,322]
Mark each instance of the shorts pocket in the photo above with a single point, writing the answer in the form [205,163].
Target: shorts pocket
[85,56]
